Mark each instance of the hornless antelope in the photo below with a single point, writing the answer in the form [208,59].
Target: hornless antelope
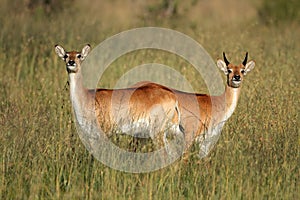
[148,108]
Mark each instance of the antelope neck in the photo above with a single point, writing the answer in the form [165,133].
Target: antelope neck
[79,94]
[231,98]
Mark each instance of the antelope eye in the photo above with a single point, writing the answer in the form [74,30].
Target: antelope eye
[243,71]
[65,56]
[78,56]
[229,70]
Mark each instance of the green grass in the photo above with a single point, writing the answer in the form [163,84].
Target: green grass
[42,157]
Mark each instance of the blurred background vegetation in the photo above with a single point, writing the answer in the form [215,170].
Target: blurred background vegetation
[276,11]
[279,11]
[42,157]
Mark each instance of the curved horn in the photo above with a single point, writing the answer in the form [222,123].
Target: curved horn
[225,59]
[245,60]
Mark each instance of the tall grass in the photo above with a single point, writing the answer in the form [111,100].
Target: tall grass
[257,156]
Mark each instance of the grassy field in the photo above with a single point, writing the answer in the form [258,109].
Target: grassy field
[42,157]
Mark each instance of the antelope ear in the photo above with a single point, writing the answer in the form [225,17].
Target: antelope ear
[222,66]
[249,66]
[60,51]
[85,51]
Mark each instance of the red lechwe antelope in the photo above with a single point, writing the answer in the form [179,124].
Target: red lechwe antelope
[149,108]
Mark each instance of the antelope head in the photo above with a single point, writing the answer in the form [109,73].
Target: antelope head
[235,73]
[72,59]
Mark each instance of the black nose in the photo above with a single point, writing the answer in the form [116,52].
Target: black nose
[71,63]
[237,77]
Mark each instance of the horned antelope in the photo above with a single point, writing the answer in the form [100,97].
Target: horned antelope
[149,108]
